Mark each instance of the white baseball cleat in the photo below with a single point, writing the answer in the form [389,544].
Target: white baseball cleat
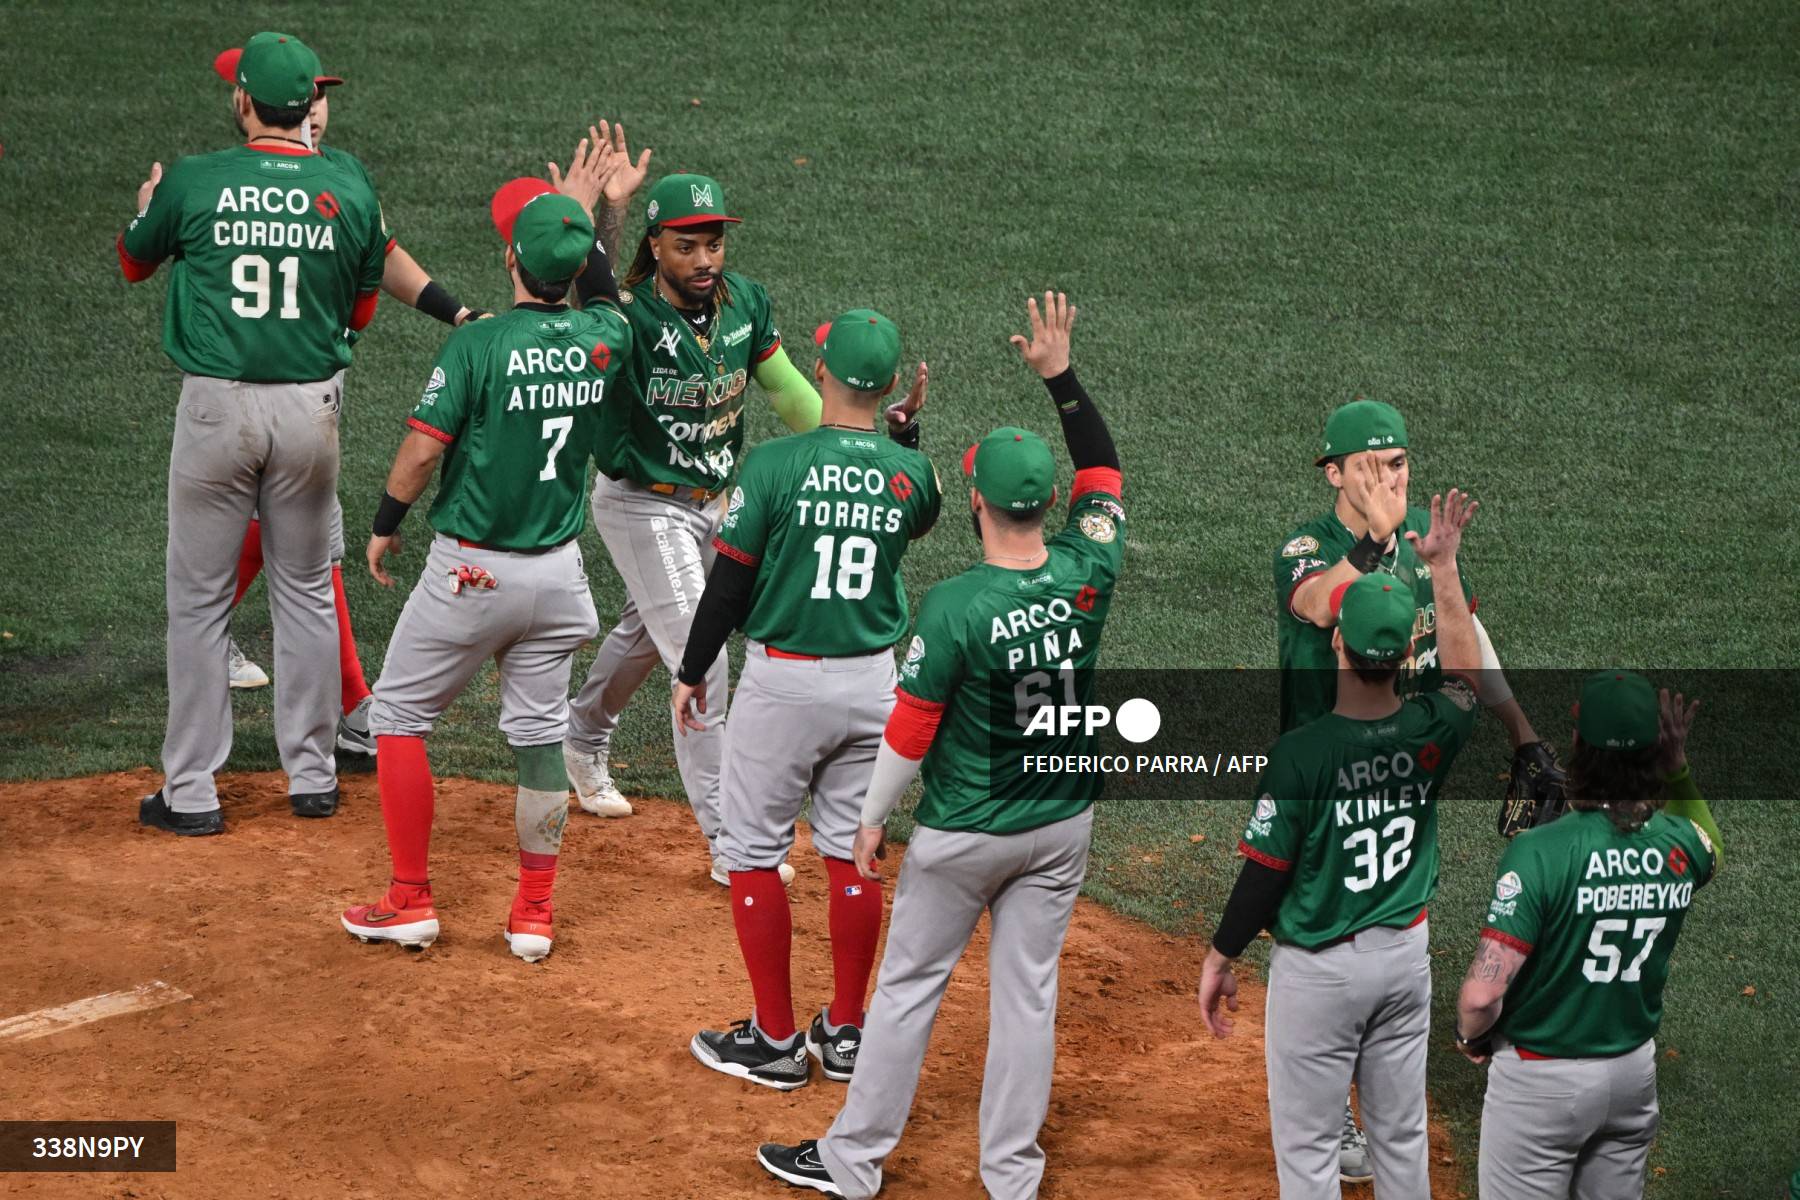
[722,877]
[244,673]
[353,733]
[594,789]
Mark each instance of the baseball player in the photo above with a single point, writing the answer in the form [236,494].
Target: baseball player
[667,459]
[985,654]
[277,250]
[513,409]
[406,281]
[1566,990]
[1366,533]
[1341,860]
[809,564]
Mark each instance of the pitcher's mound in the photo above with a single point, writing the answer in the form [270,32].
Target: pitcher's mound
[309,1064]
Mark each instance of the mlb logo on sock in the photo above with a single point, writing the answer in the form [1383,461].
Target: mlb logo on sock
[854,889]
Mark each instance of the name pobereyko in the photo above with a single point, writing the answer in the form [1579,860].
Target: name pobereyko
[270,202]
[874,515]
[1633,895]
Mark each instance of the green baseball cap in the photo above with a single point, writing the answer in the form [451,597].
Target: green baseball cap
[1012,468]
[279,70]
[551,237]
[1375,615]
[679,200]
[1362,425]
[861,348]
[1618,710]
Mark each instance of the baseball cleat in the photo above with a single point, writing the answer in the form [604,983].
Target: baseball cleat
[244,673]
[744,1053]
[834,1048]
[414,927]
[314,804]
[353,733]
[798,1166]
[528,931]
[722,876]
[154,811]
[1353,1151]
[594,789]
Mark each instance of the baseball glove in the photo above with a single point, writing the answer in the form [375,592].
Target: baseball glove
[1534,794]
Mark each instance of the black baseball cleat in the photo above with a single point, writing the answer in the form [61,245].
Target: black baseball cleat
[743,1052]
[836,1051]
[314,804]
[798,1166]
[155,812]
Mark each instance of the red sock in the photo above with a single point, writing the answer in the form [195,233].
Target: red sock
[249,560]
[765,930]
[855,929]
[350,670]
[407,801]
[537,875]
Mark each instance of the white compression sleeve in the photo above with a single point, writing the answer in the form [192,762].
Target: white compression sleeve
[1492,687]
[894,772]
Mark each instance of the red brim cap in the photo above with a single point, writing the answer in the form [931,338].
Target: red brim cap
[226,64]
[821,333]
[969,460]
[513,196]
[700,219]
[1337,596]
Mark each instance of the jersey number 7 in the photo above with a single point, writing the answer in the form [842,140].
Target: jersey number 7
[558,428]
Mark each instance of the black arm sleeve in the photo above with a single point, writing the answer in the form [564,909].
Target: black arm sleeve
[1084,429]
[596,284]
[723,606]
[1252,906]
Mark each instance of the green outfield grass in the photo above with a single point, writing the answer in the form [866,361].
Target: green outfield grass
[1560,236]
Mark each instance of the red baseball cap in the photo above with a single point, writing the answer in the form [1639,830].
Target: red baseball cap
[513,196]
[226,64]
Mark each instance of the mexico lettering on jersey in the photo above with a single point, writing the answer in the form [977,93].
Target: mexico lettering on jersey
[1308,664]
[1349,809]
[518,400]
[271,249]
[1597,913]
[991,647]
[827,516]
[684,426]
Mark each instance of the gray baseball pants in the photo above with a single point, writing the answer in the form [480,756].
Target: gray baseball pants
[799,728]
[662,548]
[1357,1011]
[1567,1128]
[1028,882]
[530,623]
[241,448]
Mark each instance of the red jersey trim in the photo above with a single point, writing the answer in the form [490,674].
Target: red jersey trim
[392,242]
[770,352]
[906,697]
[284,148]
[1474,603]
[1268,860]
[1097,479]
[911,728]
[1533,1055]
[1505,939]
[364,311]
[733,553]
[136,269]
[1296,587]
[429,430]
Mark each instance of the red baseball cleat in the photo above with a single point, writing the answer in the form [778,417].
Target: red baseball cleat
[413,925]
[528,930]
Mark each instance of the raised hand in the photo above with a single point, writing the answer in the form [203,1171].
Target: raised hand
[591,166]
[1370,486]
[1047,352]
[1450,515]
[148,188]
[629,176]
[900,415]
[1675,718]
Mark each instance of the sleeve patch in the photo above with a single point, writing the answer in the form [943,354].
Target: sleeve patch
[1300,547]
[1099,527]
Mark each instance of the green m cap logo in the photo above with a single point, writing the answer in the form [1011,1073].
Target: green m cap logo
[703,197]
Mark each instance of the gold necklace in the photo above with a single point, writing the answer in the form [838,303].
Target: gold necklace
[704,341]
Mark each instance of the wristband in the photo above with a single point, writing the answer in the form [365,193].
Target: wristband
[388,516]
[1367,554]
[434,301]
[475,314]
[1482,1046]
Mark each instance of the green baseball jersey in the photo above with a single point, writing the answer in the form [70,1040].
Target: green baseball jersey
[270,250]
[1597,913]
[684,425]
[1349,809]
[992,648]
[1308,665]
[518,399]
[827,516]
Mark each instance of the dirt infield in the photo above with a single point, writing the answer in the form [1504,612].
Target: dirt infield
[307,1064]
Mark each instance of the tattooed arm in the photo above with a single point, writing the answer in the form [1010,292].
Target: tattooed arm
[1496,963]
